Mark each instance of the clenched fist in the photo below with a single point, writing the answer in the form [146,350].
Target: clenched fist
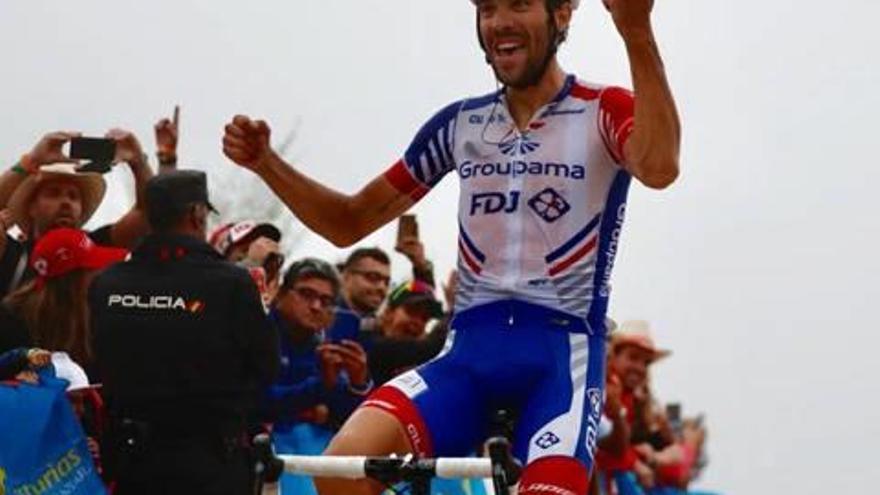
[246,142]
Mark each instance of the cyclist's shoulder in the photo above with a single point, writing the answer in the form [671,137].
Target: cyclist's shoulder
[602,93]
[479,102]
[451,112]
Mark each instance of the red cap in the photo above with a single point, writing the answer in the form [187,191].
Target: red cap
[61,251]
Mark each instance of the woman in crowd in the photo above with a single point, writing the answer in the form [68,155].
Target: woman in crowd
[51,311]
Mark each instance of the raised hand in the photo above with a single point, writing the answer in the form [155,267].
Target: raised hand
[128,148]
[48,150]
[631,17]
[413,249]
[246,142]
[167,133]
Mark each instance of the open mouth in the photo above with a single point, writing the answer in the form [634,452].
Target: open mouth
[506,49]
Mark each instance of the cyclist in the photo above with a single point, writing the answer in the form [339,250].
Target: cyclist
[544,165]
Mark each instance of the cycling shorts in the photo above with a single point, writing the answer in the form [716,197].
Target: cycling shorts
[546,366]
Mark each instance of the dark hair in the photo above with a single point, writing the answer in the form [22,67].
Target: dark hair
[361,253]
[311,268]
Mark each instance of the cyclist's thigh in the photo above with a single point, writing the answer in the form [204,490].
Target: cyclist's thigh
[370,432]
[562,416]
[438,405]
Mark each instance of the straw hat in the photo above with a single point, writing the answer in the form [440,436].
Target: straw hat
[638,333]
[91,185]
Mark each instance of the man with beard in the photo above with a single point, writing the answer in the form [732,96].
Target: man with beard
[44,191]
[545,164]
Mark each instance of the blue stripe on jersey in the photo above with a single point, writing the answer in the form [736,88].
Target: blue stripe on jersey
[470,244]
[481,101]
[427,165]
[580,236]
[563,93]
[612,220]
[566,88]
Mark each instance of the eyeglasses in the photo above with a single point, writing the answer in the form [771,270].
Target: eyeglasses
[373,277]
[310,296]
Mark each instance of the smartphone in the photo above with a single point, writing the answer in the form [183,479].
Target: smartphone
[407,227]
[100,150]
[346,326]
[673,412]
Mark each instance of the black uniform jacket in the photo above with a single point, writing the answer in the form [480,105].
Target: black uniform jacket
[180,336]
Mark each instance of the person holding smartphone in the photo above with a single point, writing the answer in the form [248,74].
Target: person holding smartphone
[545,164]
[46,189]
[322,379]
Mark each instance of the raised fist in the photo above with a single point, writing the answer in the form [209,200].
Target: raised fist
[246,142]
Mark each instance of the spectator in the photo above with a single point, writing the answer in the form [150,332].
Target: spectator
[319,384]
[401,342]
[184,348]
[51,311]
[411,305]
[366,276]
[255,247]
[246,241]
[44,191]
[310,370]
[632,352]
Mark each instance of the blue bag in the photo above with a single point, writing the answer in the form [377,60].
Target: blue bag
[42,446]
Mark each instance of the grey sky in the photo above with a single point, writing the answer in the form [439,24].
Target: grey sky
[757,268]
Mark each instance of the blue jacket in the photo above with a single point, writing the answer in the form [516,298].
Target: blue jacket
[299,386]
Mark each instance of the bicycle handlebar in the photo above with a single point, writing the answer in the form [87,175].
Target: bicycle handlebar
[500,466]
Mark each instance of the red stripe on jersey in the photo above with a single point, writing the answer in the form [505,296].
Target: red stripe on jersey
[400,177]
[583,93]
[580,253]
[396,403]
[467,258]
[616,112]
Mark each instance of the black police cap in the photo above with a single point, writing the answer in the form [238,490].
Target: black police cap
[171,192]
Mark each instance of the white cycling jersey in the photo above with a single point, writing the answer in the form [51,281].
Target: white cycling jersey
[540,211]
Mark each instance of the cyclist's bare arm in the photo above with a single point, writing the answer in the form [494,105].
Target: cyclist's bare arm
[652,150]
[340,218]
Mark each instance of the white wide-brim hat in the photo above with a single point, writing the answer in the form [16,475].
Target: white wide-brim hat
[91,185]
[638,333]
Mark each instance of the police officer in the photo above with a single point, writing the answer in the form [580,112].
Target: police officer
[184,348]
